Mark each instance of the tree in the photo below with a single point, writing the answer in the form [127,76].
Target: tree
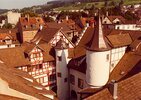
[31,14]
[106,3]
[130,16]
[7,26]
[48,19]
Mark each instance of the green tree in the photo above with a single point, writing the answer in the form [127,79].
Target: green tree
[7,26]
[130,16]
[30,13]
[48,19]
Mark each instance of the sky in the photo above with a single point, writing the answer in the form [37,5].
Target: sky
[12,4]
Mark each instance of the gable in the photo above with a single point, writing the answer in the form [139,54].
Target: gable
[117,20]
[59,36]
[106,20]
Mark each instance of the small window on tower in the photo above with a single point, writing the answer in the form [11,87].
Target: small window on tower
[59,74]
[65,80]
[72,79]
[59,58]
[107,57]
[80,83]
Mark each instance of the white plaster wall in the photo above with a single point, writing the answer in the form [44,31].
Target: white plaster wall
[4,89]
[116,55]
[97,73]
[127,27]
[13,17]
[116,20]
[57,37]
[106,20]
[6,46]
[75,87]
[61,67]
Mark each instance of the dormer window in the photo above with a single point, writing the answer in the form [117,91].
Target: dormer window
[31,26]
[59,58]
[107,57]
[38,20]
[25,26]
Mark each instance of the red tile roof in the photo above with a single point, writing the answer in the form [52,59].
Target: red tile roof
[98,36]
[128,89]
[31,23]
[112,18]
[125,65]
[18,82]
[46,34]
[78,64]
[119,40]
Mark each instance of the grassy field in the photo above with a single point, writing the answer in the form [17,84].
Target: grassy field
[95,4]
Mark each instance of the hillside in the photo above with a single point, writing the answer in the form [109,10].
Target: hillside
[3,11]
[94,3]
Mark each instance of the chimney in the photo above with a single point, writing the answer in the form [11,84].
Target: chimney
[27,17]
[87,23]
[107,13]
[114,89]
[58,21]
[9,31]
[67,18]
[41,27]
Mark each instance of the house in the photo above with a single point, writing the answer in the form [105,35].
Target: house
[120,23]
[13,18]
[113,20]
[18,85]
[34,59]
[51,36]
[8,38]
[28,27]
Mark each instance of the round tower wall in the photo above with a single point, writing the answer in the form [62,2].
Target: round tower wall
[97,73]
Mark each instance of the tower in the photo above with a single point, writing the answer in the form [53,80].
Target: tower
[97,58]
[62,70]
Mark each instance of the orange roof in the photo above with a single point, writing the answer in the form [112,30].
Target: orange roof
[112,18]
[31,22]
[128,89]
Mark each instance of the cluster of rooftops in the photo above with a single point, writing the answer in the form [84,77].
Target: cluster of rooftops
[126,73]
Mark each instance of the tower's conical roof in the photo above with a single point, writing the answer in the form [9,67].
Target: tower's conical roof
[98,41]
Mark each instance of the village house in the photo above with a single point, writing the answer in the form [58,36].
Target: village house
[28,27]
[13,18]
[8,38]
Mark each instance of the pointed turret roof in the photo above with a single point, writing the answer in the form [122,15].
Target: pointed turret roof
[98,42]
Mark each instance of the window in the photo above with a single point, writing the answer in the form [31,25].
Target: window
[29,69]
[59,58]
[40,66]
[80,83]
[52,77]
[59,74]
[72,79]
[107,57]
[65,80]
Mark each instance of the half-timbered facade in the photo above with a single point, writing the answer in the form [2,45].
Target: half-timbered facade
[51,36]
[34,59]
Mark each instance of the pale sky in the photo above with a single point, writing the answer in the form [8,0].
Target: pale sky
[10,4]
